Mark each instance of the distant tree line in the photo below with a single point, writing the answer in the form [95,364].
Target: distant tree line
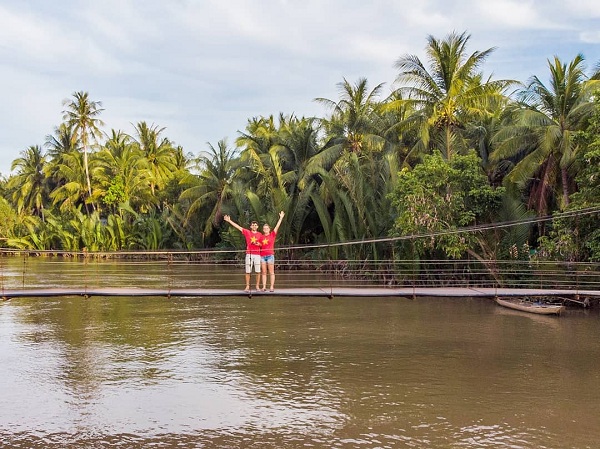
[449,148]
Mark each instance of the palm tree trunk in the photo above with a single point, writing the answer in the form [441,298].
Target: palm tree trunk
[565,186]
[448,143]
[87,170]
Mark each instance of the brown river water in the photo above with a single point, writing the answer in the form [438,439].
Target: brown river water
[279,372]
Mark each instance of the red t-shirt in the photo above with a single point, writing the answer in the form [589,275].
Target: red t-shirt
[252,241]
[268,244]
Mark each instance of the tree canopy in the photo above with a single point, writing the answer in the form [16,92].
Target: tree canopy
[448,150]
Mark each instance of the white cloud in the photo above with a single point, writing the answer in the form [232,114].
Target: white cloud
[32,107]
[587,9]
[514,14]
[25,36]
[201,69]
[36,41]
[591,37]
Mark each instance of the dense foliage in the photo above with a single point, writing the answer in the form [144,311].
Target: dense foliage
[447,151]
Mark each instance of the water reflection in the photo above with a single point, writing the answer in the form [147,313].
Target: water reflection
[293,372]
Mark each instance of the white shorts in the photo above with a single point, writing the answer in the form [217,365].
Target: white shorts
[252,260]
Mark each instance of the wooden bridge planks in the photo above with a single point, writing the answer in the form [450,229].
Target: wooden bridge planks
[308,292]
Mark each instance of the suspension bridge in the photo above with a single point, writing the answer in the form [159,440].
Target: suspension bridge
[221,273]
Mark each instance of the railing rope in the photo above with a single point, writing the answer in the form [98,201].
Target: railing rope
[176,269]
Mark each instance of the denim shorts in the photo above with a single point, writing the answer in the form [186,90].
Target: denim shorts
[268,259]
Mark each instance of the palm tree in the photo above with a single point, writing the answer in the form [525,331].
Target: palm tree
[158,151]
[29,185]
[82,114]
[355,124]
[267,179]
[355,192]
[358,165]
[449,95]
[73,192]
[297,149]
[64,140]
[122,172]
[256,144]
[29,233]
[278,156]
[543,129]
[213,187]
[181,159]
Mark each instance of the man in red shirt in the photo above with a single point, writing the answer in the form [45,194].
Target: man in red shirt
[267,253]
[253,246]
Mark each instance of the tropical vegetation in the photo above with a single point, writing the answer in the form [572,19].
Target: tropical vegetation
[415,174]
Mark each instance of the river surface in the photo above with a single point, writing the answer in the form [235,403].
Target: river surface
[279,372]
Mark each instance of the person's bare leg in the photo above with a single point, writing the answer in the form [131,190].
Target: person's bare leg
[272,273]
[247,282]
[257,281]
[263,271]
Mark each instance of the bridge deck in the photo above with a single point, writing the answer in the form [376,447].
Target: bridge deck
[308,292]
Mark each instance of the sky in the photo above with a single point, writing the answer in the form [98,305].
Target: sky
[201,69]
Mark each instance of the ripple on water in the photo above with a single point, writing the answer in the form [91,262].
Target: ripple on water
[282,373]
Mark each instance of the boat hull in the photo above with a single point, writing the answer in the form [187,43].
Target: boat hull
[531,307]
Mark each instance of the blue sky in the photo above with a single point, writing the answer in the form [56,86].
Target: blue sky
[201,69]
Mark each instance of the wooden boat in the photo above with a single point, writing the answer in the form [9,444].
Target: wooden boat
[538,307]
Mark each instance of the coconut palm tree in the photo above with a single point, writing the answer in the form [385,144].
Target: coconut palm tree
[448,94]
[256,143]
[81,114]
[182,160]
[158,151]
[29,185]
[268,179]
[73,192]
[122,173]
[298,145]
[29,233]
[542,132]
[358,165]
[277,156]
[355,192]
[213,187]
[63,141]
[355,124]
